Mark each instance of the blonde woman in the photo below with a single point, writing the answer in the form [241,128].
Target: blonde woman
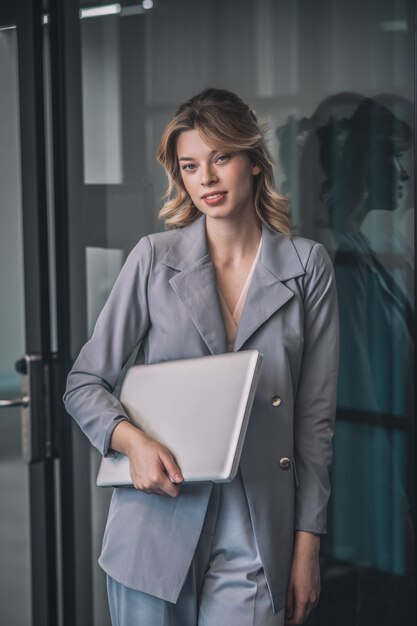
[228,275]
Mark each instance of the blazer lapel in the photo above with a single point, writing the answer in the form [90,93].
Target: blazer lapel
[279,261]
[195,284]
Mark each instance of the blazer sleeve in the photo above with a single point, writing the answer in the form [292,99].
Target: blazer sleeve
[315,405]
[120,327]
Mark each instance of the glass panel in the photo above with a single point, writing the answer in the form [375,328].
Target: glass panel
[334,80]
[101,102]
[15,604]
[103,266]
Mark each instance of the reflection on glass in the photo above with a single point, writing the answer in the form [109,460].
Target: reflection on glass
[363,161]
[360,150]
[14,493]
[376,337]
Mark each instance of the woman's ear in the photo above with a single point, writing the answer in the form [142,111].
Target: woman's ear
[255,169]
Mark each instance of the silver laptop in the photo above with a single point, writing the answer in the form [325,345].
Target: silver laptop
[199,408]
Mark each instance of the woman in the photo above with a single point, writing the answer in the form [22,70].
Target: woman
[227,277]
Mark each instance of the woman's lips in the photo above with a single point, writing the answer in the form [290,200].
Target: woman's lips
[214,198]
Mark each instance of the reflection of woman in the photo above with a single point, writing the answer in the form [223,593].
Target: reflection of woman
[365,173]
[362,160]
[228,277]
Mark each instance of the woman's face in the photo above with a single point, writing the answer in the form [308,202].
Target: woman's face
[220,184]
[386,176]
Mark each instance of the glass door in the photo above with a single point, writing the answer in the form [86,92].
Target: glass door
[15,591]
[27,512]
[335,83]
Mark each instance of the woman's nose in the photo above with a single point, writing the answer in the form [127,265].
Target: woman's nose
[404,175]
[401,173]
[209,176]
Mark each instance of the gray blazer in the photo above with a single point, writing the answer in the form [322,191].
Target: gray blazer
[165,302]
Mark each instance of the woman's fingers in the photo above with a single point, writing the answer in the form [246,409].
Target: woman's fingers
[152,467]
[159,492]
[304,583]
[171,468]
[154,470]
[300,612]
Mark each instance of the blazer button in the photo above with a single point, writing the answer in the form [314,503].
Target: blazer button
[285,463]
[276,400]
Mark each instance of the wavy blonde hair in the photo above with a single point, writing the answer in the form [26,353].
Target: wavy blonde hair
[225,123]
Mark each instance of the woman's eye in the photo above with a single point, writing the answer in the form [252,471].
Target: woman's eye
[222,158]
[190,167]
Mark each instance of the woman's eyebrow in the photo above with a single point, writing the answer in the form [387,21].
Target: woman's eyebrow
[185,158]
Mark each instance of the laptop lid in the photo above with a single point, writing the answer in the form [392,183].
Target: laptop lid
[199,408]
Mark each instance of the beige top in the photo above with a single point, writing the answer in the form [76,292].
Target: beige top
[231,319]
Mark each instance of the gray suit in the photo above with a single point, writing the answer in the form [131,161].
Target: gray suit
[165,301]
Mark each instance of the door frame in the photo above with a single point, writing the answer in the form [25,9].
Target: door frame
[73,485]
[25,15]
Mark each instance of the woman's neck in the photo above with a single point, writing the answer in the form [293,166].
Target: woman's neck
[231,241]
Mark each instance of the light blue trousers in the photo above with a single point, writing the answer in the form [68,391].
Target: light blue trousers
[225,584]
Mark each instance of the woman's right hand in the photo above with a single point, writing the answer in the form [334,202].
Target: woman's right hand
[152,467]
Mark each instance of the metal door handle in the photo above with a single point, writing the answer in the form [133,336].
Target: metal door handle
[22,401]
